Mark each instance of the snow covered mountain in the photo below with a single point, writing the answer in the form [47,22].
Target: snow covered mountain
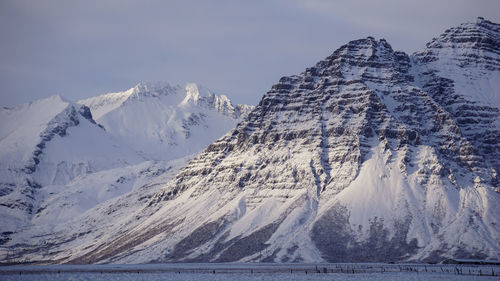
[56,162]
[369,155]
[164,122]
[49,142]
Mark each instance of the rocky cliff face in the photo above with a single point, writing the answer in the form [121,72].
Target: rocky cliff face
[369,155]
[461,71]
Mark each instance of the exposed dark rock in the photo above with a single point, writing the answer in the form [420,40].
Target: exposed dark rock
[334,237]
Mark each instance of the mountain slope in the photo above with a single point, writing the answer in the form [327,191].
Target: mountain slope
[50,141]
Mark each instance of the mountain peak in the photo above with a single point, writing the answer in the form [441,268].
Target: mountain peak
[192,94]
[468,55]
[480,21]
[365,52]
[164,121]
[151,89]
[482,34]
[53,99]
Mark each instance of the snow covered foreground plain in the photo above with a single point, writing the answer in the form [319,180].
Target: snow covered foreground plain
[263,271]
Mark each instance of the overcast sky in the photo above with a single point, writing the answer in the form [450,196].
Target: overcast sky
[84,48]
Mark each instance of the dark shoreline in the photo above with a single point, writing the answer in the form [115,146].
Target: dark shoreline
[267,268]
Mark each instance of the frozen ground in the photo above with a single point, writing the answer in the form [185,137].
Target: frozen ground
[287,272]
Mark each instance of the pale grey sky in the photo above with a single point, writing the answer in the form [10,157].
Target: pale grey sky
[240,48]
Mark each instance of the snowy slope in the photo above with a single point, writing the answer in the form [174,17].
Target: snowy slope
[370,155]
[469,56]
[50,141]
[461,71]
[88,211]
[61,169]
[163,122]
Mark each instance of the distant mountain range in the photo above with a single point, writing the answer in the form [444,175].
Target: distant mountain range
[370,155]
[60,159]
